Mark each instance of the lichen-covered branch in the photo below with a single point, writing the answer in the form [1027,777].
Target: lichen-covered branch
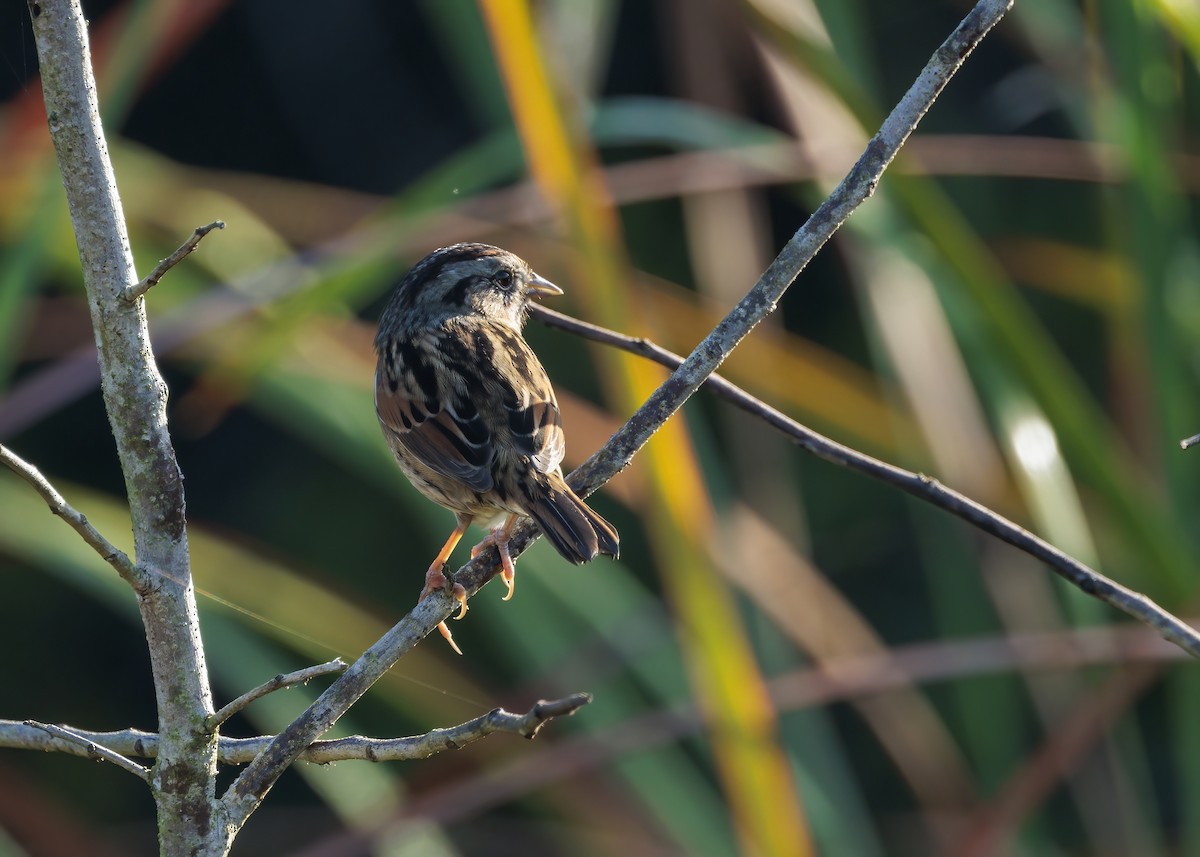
[135,398]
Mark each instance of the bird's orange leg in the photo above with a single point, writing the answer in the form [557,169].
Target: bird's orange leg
[499,538]
[436,579]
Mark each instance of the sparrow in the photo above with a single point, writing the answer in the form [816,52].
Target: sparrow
[469,413]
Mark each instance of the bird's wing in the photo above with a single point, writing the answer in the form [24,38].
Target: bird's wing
[443,430]
[529,404]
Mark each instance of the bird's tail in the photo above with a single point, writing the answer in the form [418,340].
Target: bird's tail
[571,525]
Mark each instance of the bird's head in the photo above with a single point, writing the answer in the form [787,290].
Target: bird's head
[466,280]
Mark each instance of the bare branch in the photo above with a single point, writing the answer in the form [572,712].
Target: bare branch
[1188,442]
[132,293]
[92,749]
[919,485]
[31,735]
[526,725]
[114,556]
[280,682]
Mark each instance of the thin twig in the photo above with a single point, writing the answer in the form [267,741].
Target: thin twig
[93,749]
[526,725]
[111,554]
[280,681]
[1187,442]
[132,293]
[240,751]
[919,485]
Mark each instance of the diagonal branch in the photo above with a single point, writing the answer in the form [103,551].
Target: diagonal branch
[114,556]
[762,299]
[919,485]
[248,790]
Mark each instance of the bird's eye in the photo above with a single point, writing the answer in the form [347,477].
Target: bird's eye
[504,279]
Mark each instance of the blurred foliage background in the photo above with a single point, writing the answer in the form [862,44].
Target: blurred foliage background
[784,650]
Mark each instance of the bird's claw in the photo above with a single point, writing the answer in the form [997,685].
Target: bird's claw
[498,538]
[436,579]
[460,595]
[445,631]
[508,571]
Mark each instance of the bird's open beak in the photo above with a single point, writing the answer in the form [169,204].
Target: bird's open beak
[540,287]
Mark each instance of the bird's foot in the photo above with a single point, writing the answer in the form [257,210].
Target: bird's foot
[436,579]
[498,538]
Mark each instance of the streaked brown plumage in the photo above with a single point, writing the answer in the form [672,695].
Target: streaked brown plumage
[468,410]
